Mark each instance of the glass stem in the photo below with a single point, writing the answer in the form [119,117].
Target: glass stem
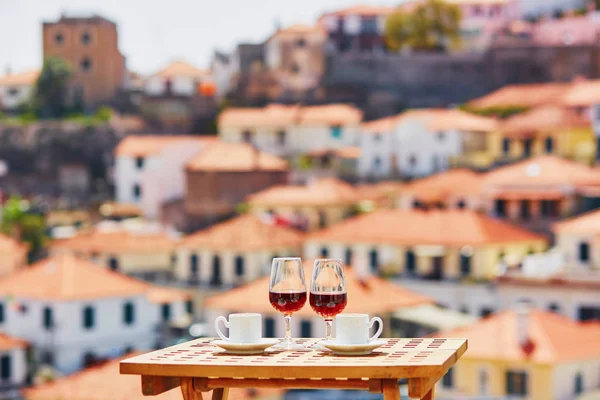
[328,326]
[288,327]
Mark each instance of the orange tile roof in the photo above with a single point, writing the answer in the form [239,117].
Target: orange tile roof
[527,95]
[300,29]
[382,125]
[380,190]
[65,277]
[148,145]
[104,382]
[9,343]
[416,227]
[588,223]
[542,119]
[583,94]
[364,10]
[540,172]
[278,115]
[446,185]
[369,294]
[116,242]
[163,295]
[182,68]
[244,233]
[555,338]
[25,78]
[222,156]
[323,192]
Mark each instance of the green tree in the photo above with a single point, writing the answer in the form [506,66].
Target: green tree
[51,90]
[18,222]
[433,25]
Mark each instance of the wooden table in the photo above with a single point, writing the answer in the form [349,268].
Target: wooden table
[200,366]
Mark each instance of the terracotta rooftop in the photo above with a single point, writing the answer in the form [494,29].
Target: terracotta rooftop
[300,29]
[542,171]
[542,119]
[65,278]
[435,119]
[244,233]
[25,78]
[525,95]
[363,10]
[9,343]
[446,185]
[221,156]
[148,145]
[116,242]
[583,94]
[555,338]
[380,190]
[323,192]
[416,227]
[382,125]
[588,223]
[369,294]
[184,69]
[277,115]
[103,382]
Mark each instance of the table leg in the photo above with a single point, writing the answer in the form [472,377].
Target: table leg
[188,391]
[390,389]
[429,395]
[220,394]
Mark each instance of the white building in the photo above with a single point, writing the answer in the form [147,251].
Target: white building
[420,142]
[149,170]
[13,363]
[222,71]
[15,89]
[290,130]
[73,312]
[177,78]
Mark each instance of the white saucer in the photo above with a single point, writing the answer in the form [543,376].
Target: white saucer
[246,348]
[353,349]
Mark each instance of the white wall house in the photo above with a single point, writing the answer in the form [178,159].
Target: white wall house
[15,89]
[292,130]
[13,363]
[149,170]
[177,78]
[419,142]
[222,71]
[73,312]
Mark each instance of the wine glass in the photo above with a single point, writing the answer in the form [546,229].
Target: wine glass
[328,292]
[287,294]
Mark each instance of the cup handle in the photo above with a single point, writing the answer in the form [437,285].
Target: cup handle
[226,323]
[378,333]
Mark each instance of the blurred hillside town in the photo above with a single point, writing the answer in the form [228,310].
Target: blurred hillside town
[446,150]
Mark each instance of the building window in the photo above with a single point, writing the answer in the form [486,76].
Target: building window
[2,316]
[301,43]
[165,312]
[305,328]
[294,68]
[376,164]
[86,38]
[239,266]
[465,265]
[189,307]
[322,219]
[589,313]
[324,252]
[247,136]
[59,38]
[128,314]
[578,383]
[269,327]
[89,359]
[215,280]
[113,263]
[506,146]
[48,318]
[374,260]
[194,265]
[525,210]
[584,252]
[88,317]
[47,357]
[461,205]
[483,382]
[348,256]
[549,145]
[448,379]
[485,312]
[438,268]
[5,367]
[139,162]
[549,208]
[377,137]
[555,308]
[137,192]
[516,383]
[527,147]
[412,160]
[500,208]
[86,64]
[13,92]
[441,136]
[411,262]
[281,138]
[336,132]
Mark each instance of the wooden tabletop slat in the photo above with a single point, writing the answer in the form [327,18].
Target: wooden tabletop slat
[398,358]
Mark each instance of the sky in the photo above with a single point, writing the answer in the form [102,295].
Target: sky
[154,32]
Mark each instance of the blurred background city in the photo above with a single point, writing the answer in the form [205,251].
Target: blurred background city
[155,157]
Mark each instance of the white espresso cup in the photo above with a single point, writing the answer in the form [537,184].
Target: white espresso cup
[243,328]
[354,328]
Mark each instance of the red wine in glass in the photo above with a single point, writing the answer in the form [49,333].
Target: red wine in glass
[328,305]
[287,302]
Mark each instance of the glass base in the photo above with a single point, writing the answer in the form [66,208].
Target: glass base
[288,345]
